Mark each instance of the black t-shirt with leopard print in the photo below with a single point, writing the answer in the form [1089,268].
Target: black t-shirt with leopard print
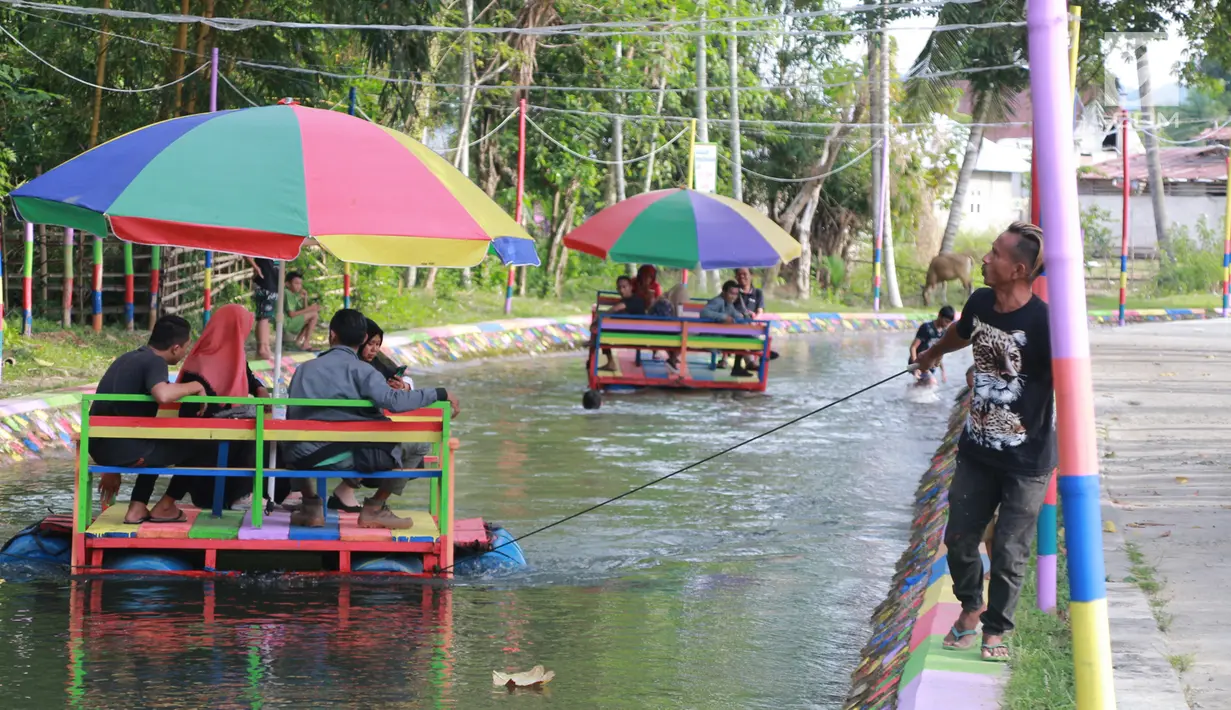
[1012,408]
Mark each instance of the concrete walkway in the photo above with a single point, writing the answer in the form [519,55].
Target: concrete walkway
[1163,402]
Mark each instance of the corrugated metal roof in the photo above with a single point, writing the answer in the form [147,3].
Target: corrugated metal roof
[1205,163]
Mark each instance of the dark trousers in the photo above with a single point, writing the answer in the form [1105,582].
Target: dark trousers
[974,494]
[166,453]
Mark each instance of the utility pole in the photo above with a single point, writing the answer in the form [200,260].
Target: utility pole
[703,124]
[737,177]
[891,274]
[463,130]
[617,130]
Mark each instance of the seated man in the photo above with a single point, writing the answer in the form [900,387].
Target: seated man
[753,303]
[145,371]
[338,373]
[727,308]
[927,335]
[301,318]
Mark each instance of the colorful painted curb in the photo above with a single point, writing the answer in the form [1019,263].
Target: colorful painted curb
[32,425]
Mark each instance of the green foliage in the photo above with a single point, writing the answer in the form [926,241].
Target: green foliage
[1195,263]
[1097,234]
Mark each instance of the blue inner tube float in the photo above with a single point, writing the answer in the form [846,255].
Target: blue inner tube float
[45,547]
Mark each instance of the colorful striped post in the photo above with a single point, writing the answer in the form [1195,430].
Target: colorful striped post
[155,282]
[2,290]
[1046,527]
[128,286]
[521,191]
[209,255]
[1226,247]
[1079,480]
[27,283]
[66,298]
[209,282]
[98,284]
[1124,215]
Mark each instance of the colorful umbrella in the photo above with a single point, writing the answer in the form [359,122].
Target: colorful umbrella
[684,228]
[261,181]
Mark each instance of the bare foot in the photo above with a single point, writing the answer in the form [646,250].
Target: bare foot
[137,513]
[608,367]
[994,648]
[966,624]
[165,509]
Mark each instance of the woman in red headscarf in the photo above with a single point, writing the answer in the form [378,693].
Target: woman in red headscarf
[647,284]
[219,362]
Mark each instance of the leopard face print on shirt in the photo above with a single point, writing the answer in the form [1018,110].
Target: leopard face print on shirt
[998,383]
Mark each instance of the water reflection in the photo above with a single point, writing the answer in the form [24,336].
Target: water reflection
[745,583]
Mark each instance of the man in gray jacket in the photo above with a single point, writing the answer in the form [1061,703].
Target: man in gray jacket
[338,373]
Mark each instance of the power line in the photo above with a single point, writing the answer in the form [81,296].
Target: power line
[608,89]
[771,178]
[629,161]
[91,84]
[588,29]
[721,122]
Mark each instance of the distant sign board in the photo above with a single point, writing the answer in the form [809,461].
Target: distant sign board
[705,167]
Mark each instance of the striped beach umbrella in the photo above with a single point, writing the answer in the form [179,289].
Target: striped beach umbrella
[262,181]
[684,228]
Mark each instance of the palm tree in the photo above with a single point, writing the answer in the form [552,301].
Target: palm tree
[993,93]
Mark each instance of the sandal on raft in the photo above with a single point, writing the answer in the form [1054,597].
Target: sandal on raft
[958,635]
[181,518]
[335,503]
[144,519]
[990,657]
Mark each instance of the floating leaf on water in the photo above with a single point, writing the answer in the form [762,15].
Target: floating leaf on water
[1181,479]
[1109,526]
[535,676]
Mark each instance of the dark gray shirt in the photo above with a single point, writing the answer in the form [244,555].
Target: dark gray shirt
[339,374]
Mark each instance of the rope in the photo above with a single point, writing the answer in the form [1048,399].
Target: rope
[490,133]
[90,84]
[630,161]
[695,464]
[722,122]
[236,90]
[1191,141]
[854,160]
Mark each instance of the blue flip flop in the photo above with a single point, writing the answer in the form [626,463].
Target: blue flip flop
[958,635]
[995,647]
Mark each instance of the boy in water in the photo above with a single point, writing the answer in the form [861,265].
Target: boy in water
[925,337]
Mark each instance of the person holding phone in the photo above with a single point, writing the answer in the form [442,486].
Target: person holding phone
[343,496]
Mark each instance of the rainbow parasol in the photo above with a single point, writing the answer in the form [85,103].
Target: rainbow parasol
[261,181]
[684,228]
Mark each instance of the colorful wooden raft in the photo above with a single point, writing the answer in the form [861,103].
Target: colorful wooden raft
[208,532]
[638,345]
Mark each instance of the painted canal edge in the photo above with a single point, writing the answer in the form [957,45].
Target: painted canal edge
[902,665]
[35,425]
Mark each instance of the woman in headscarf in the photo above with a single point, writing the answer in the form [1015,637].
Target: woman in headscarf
[219,362]
[647,284]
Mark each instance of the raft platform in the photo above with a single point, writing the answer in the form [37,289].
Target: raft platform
[634,340]
[217,541]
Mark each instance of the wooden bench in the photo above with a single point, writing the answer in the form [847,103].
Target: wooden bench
[429,426]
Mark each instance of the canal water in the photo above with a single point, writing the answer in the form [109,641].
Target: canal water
[743,583]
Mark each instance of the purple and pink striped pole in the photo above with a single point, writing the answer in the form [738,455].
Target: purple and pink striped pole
[1047,21]
[880,224]
[1226,248]
[1124,217]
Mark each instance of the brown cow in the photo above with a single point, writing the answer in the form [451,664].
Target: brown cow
[945,268]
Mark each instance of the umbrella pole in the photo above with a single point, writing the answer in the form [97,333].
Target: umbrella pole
[279,412]
[521,191]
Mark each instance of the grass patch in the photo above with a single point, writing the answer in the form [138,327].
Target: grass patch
[1184,300]
[54,357]
[1145,576]
[1041,668]
[1181,662]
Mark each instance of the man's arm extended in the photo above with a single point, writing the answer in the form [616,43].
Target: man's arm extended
[950,342]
